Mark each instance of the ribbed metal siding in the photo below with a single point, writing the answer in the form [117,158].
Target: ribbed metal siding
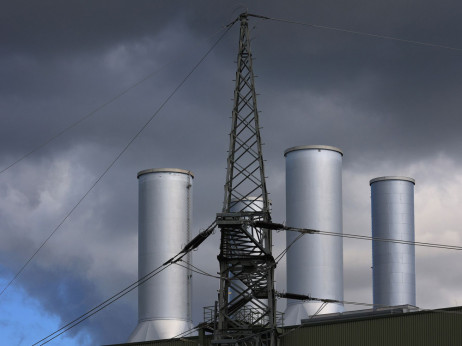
[191,341]
[411,329]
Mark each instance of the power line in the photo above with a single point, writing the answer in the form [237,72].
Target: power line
[117,158]
[362,33]
[347,302]
[304,231]
[283,253]
[195,269]
[397,241]
[90,114]
[177,258]
[185,333]
[365,237]
[324,301]
[200,271]
[82,119]
[279,226]
[103,305]
[391,306]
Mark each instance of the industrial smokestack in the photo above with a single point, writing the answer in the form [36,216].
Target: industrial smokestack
[164,218]
[314,200]
[393,264]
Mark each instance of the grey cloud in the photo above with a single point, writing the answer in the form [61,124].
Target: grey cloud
[390,106]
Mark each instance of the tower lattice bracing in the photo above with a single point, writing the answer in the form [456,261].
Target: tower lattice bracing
[246,311]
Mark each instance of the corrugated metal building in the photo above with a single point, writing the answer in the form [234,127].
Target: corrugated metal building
[420,328]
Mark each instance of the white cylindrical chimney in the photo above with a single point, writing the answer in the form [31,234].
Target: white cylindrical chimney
[392,202]
[314,200]
[164,302]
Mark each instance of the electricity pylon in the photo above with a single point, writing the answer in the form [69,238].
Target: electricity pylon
[246,300]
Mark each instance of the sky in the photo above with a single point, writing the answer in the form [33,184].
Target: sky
[392,107]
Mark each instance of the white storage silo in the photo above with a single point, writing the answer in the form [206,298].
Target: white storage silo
[392,204]
[164,218]
[314,200]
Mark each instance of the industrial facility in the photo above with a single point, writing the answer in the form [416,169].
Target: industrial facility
[245,311]
[397,326]
[217,173]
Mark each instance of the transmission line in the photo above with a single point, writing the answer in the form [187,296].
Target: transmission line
[195,269]
[93,112]
[193,244]
[117,157]
[200,271]
[279,226]
[347,302]
[103,305]
[82,119]
[365,237]
[361,33]
[324,301]
[167,264]
[179,258]
[304,231]
[185,333]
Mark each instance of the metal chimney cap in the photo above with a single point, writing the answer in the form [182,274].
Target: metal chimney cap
[391,178]
[165,170]
[318,147]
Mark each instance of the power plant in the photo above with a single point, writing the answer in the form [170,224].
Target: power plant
[245,311]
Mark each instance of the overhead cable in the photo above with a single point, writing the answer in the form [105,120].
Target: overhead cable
[82,119]
[283,253]
[177,258]
[196,270]
[118,157]
[103,305]
[278,226]
[397,241]
[185,333]
[327,301]
[90,114]
[200,271]
[361,33]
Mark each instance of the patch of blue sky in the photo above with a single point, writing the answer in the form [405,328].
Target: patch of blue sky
[23,321]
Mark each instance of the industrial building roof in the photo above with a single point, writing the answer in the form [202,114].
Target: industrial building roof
[422,328]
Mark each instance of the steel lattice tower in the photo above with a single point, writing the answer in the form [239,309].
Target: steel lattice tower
[246,306]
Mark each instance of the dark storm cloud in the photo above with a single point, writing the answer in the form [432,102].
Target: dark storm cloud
[407,85]
[390,95]
[47,28]
[392,107]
